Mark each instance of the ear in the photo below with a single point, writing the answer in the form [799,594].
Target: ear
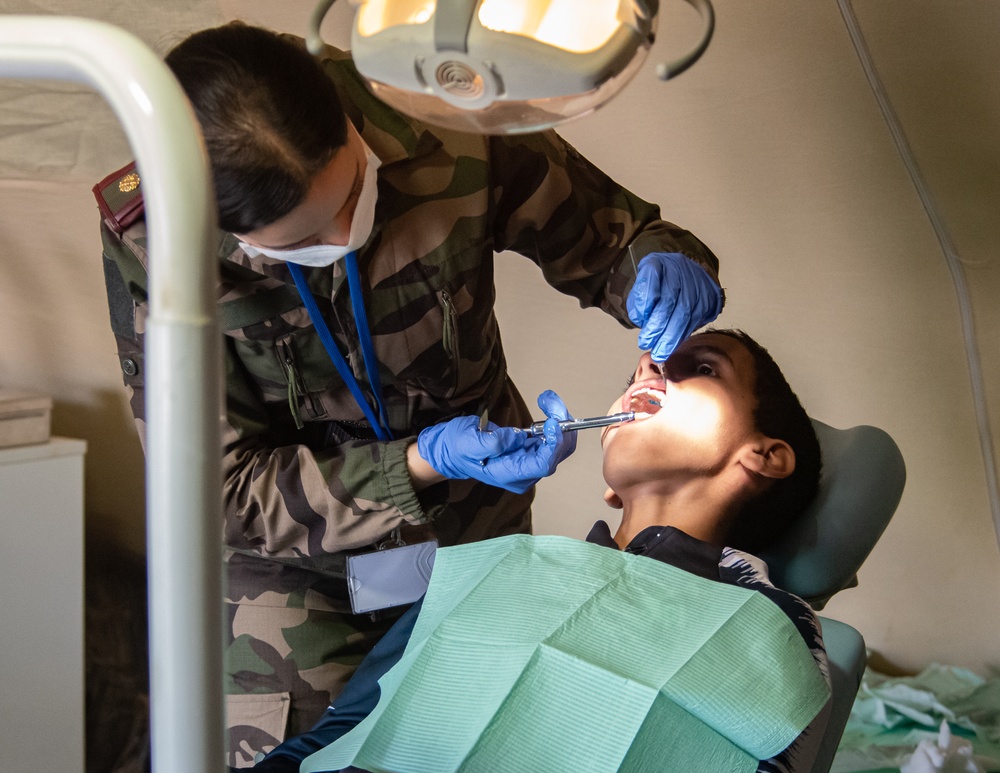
[611,499]
[768,457]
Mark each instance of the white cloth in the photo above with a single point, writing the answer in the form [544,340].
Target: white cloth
[946,755]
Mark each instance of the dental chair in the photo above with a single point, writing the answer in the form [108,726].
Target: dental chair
[860,487]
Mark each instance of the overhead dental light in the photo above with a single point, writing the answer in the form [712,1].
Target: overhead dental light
[504,66]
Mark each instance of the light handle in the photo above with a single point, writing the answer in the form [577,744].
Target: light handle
[668,70]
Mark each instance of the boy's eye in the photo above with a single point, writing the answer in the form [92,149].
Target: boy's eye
[630,382]
[704,369]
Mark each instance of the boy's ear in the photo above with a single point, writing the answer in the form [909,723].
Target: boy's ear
[611,499]
[769,457]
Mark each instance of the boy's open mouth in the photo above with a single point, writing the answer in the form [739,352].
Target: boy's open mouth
[645,402]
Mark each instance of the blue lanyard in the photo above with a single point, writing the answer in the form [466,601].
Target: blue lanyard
[367,350]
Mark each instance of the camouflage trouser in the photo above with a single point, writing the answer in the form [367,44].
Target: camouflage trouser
[283,667]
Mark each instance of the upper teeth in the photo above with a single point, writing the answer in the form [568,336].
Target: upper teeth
[645,398]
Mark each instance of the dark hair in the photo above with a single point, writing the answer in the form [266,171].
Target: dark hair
[270,116]
[780,415]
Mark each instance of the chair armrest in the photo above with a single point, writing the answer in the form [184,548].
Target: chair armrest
[845,649]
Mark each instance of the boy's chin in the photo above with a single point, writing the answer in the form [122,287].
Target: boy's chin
[611,499]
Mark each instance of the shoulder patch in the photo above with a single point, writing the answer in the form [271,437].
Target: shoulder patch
[119,196]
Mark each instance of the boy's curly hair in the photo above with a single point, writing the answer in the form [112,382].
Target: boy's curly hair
[780,415]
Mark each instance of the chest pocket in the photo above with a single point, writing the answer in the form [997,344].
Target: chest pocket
[286,363]
[449,339]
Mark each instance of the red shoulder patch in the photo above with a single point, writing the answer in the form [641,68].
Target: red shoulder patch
[119,196]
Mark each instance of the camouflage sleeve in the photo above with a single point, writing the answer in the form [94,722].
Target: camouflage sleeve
[286,499]
[585,231]
[281,498]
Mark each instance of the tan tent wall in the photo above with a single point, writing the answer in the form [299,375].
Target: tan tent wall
[772,149]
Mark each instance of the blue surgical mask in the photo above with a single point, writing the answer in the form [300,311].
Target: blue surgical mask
[320,255]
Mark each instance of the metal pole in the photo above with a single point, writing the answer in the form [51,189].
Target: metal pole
[183,464]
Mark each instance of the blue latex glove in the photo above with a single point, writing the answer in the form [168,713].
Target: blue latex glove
[672,297]
[513,460]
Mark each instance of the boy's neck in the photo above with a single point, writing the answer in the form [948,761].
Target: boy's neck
[696,516]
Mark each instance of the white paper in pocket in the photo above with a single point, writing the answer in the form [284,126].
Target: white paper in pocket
[390,578]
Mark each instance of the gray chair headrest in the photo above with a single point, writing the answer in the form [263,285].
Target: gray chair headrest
[860,486]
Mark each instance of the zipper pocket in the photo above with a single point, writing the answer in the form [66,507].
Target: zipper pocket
[449,330]
[292,375]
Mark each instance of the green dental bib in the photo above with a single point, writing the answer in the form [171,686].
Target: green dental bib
[548,653]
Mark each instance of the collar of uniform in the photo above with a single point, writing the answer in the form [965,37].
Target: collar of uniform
[239,268]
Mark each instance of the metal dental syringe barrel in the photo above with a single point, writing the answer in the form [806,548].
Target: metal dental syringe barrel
[183,459]
[574,425]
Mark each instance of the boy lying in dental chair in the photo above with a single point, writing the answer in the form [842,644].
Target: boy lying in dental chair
[722,457]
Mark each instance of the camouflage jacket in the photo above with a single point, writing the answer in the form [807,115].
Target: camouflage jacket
[303,479]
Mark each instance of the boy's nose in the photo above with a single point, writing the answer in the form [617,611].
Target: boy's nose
[648,368]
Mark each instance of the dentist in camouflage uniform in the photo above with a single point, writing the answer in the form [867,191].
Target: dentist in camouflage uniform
[388,227]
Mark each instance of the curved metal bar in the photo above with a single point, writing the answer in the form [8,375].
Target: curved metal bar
[314,41]
[668,70]
[949,252]
[183,468]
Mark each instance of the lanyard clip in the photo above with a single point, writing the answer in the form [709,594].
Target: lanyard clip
[394,540]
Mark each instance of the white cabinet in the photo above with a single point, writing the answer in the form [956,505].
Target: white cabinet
[41,607]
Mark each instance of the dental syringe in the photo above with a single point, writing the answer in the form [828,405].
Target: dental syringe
[573,425]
